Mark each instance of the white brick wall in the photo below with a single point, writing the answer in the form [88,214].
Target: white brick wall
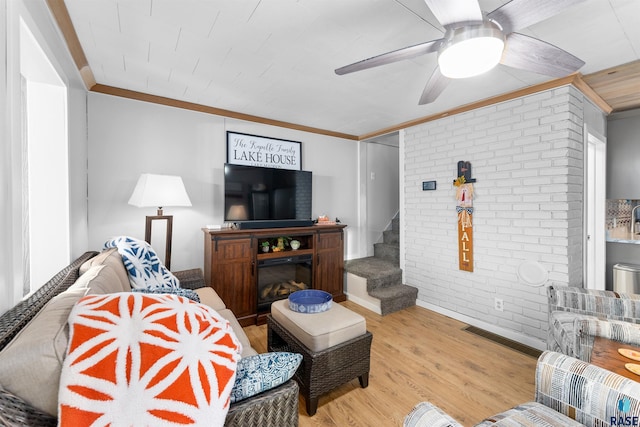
[526,156]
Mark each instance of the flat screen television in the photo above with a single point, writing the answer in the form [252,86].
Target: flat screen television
[257,197]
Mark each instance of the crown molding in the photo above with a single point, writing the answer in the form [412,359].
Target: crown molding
[140,96]
[61,15]
[572,79]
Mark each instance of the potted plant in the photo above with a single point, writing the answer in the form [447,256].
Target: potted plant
[265,246]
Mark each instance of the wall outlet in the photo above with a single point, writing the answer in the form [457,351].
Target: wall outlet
[498,304]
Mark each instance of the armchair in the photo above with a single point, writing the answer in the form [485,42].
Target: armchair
[577,315]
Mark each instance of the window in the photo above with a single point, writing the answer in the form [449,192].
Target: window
[45,169]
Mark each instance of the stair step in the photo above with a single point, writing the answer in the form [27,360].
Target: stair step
[388,252]
[395,298]
[391,237]
[395,224]
[383,274]
[378,272]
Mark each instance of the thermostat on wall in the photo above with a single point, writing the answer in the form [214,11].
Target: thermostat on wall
[428,185]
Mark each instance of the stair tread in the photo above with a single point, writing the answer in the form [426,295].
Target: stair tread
[390,244]
[394,291]
[383,273]
[371,267]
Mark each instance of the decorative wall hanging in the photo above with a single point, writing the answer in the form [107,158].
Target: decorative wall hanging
[464,208]
[253,150]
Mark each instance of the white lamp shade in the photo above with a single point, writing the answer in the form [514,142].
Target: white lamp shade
[159,191]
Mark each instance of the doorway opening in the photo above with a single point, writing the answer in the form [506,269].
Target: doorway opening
[595,212]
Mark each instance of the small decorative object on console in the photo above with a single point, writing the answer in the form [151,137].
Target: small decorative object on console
[310,301]
[295,244]
[324,220]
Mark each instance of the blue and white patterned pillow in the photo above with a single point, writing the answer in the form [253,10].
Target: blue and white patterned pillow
[187,293]
[255,374]
[142,263]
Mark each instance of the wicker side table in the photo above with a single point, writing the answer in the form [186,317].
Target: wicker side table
[324,370]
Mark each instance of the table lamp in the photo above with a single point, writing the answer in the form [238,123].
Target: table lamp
[160,191]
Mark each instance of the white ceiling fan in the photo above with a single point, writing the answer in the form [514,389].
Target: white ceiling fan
[475,42]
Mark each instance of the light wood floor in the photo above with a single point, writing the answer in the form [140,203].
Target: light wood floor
[420,355]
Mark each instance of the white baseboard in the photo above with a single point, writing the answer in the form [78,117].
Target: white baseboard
[515,336]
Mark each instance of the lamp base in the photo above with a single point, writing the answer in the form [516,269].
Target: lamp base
[147,234]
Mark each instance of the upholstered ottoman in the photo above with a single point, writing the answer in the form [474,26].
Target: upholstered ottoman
[335,346]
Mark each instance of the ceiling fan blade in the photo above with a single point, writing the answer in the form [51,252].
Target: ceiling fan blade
[390,57]
[455,11]
[531,54]
[518,14]
[436,84]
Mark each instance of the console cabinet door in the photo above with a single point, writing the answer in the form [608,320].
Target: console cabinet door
[233,276]
[329,268]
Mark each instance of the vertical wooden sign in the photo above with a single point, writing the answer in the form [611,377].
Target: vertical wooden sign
[465,243]
[464,209]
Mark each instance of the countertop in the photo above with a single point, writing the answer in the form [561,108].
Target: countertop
[622,235]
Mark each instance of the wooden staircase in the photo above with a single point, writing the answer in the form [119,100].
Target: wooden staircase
[376,282]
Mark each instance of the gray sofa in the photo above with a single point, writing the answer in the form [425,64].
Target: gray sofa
[34,336]
[578,315]
[569,392]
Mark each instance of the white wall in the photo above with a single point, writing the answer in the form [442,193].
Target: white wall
[382,182]
[6,279]
[128,137]
[623,165]
[623,155]
[527,157]
[43,26]
[78,209]
[37,16]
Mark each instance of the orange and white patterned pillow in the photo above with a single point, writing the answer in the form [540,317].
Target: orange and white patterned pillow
[147,360]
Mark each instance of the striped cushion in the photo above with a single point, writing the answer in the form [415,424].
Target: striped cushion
[529,414]
[562,331]
[426,414]
[589,394]
[589,328]
[604,304]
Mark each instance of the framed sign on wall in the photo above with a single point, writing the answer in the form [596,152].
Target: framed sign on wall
[254,150]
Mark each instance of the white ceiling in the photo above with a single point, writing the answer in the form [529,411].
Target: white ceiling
[276,58]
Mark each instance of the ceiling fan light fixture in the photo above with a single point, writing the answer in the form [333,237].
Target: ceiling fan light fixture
[471,50]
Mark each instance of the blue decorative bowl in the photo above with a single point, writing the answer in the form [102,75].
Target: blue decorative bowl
[310,301]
